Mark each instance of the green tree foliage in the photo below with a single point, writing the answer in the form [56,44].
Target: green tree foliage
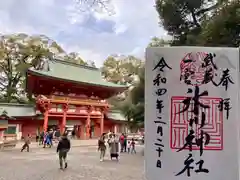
[74,58]
[127,70]
[133,106]
[121,69]
[190,22]
[91,63]
[223,27]
[18,53]
[158,42]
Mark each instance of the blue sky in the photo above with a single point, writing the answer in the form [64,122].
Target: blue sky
[93,34]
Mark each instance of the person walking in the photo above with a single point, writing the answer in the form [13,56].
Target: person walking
[121,139]
[114,147]
[133,150]
[102,146]
[26,143]
[63,148]
[73,134]
[57,135]
[128,146]
[47,141]
[41,138]
[125,143]
[51,137]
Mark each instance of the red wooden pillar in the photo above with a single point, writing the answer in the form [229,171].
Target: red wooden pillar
[88,123]
[45,106]
[45,123]
[102,123]
[80,130]
[88,126]
[64,119]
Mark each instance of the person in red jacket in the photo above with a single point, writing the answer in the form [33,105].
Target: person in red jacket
[121,140]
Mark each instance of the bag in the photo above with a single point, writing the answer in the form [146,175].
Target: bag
[122,138]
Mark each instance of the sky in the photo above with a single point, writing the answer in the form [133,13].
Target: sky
[126,28]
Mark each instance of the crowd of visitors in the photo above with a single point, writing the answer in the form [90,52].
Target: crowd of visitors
[115,143]
[46,139]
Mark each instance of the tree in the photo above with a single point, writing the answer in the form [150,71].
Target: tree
[18,53]
[223,28]
[121,69]
[185,20]
[127,70]
[91,63]
[74,58]
[158,42]
[133,106]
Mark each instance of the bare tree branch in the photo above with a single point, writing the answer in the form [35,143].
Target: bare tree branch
[95,5]
[16,79]
[3,68]
[202,11]
[3,86]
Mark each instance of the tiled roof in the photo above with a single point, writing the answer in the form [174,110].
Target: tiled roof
[63,70]
[16,110]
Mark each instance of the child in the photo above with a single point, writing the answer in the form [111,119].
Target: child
[133,146]
[128,146]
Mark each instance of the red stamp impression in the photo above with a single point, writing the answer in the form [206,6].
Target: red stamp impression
[179,126]
[193,68]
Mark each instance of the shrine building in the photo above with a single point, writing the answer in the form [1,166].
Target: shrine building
[68,96]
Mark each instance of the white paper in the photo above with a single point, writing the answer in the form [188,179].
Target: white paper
[221,154]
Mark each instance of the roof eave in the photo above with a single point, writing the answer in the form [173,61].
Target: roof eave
[16,105]
[122,88]
[7,117]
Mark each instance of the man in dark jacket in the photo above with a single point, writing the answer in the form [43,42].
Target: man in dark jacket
[62,150]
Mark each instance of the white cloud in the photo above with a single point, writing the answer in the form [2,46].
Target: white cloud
[92,34]
[120,28]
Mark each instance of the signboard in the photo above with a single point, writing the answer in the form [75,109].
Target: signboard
[191,113]
[3,124]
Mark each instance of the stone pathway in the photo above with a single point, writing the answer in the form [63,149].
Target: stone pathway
[42,164]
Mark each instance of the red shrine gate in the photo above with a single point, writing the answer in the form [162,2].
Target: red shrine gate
[78,111]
